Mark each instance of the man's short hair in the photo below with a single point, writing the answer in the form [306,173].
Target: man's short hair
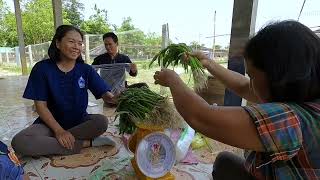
[111,35]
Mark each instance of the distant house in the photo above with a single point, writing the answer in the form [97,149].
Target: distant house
[97,51]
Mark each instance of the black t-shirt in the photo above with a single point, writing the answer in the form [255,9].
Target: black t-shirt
[106,59]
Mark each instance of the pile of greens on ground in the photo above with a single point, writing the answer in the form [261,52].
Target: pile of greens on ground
[172,56]
[141,107]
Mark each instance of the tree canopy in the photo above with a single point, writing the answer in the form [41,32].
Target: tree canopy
[72,10]
[38,26]
[97,23]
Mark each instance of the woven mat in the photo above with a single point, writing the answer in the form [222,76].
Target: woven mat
[87,157]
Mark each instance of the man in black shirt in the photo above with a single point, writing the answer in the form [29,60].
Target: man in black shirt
[112,55]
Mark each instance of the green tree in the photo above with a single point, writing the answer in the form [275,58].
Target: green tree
[128,34]
[130,38]
[38,21]
[8,30]
[97,23]
[218,47]
[3,9]
[126,25]
[152,44]
[73,9]
[3,12]
[196,45]
[152,39]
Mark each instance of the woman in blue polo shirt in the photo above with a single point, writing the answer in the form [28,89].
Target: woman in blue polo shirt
[58,86]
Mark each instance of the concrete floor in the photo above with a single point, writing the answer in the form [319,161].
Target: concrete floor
[16,113]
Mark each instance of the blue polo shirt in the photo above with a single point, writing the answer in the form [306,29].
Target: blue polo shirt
[66,94]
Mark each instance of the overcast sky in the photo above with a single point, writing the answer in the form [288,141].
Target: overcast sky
[193,20]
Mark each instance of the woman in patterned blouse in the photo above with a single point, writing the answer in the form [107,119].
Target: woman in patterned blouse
[282,128]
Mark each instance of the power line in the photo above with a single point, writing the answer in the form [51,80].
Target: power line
[219,35]
[301,9]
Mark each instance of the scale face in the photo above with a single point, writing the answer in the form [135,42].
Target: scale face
[155,155]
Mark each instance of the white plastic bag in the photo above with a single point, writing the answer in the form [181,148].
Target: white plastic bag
[183,144]
[114,75]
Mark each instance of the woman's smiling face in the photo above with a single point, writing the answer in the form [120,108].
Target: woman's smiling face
[70,45]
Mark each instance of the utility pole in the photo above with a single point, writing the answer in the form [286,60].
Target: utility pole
[164,44]
[243,26]
[214,34]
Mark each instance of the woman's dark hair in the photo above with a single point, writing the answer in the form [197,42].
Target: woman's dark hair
[289,53]
[111,35]
[53,51]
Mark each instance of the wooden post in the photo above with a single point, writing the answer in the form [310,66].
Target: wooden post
[7,55]
[43,52]
[17,54]
[22,51]
[165,36]
[164,44]
[87,50]
[30,55]
[243,26]
[57,13]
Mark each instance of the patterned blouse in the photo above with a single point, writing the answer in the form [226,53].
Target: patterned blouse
[290,134]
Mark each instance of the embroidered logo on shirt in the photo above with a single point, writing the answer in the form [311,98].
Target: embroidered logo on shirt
[81,82]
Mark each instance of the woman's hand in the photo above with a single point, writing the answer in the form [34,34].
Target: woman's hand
[110,98]
[204,59]
[165,77]
[65,138]
[133,68]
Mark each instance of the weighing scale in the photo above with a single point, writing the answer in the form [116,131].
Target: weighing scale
[154,154]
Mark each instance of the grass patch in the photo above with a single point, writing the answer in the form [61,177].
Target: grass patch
[12,69]
[145,74]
